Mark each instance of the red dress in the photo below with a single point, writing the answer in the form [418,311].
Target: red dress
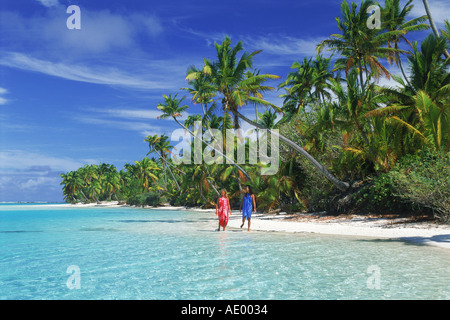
[223,211]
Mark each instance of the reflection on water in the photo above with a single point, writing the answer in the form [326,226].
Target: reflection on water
[223,254]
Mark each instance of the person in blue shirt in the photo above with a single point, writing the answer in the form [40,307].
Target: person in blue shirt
[248,204]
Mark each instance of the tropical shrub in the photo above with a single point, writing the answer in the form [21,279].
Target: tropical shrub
[424,180]
[379,196]
[145,199]
[418,183]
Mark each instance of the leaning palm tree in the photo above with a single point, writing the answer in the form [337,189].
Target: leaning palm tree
[240,94]
[161,147]
[341,185]
[172,108]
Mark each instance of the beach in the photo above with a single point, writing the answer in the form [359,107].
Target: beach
[370,226]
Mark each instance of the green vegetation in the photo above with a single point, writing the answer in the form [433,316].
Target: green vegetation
[347,143]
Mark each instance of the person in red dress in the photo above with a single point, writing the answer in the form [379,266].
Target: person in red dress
[223,210]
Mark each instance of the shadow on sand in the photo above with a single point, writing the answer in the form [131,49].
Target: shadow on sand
[417,241]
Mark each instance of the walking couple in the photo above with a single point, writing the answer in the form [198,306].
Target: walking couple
[223,209]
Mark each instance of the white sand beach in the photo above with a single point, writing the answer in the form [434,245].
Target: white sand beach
[424,232]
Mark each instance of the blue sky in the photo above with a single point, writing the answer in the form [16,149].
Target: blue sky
[75,97]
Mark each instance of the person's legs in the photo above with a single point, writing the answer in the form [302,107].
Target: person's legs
[249,220]
[225,222]
[243,221]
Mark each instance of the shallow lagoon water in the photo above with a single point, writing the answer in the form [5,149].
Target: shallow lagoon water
[130,253]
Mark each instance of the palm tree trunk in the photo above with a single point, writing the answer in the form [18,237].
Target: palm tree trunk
[95,196]
[403,70]
[238,181]
[167,162]
[341,185]
[85,198]
[218,151]
[178,186]
[433,25]
[360,76]
[209,182]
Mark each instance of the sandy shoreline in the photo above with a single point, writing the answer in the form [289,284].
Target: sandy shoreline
[428,233]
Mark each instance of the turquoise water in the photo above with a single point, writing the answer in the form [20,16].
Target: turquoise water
[129,253]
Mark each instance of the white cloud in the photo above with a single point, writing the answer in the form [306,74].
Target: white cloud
[48,3]
[133,114]
[439,9]
[278,49]
[142,121]
[39,182]
[2,99]
[136,114]
[102,31]
[284,45]
[209,37]
[118,124]
[91,74]
[31,176]
[22,160]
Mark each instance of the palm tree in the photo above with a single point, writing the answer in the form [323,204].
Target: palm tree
[426,113]
[145,169]
[72,185]
[299,85]
[229,77]
[349,109]
[268,119]
[172,108]
[160,145]
[104,174]
[89,174]
[433,25]
[359,46]
[394,18]
[202,177]
[428,70]
[201,88]
[323,73]
[112,183]
[308,83]
[236,94]
[341,185]
[446,32]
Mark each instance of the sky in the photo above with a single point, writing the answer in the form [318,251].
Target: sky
[70,97]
